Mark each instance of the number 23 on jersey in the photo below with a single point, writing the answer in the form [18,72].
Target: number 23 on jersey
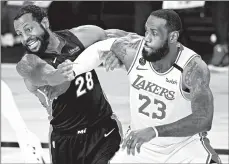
[81,80]
[159,110]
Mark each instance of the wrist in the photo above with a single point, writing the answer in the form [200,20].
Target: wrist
[156,132]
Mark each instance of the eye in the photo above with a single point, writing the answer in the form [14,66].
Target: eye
[28,29]
[154,33]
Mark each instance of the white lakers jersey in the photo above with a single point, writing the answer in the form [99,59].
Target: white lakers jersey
[158,98]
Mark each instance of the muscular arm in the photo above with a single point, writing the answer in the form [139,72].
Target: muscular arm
[89,34]
[116,33]
[196,77]
[125,48]
[38,72]
[90,58]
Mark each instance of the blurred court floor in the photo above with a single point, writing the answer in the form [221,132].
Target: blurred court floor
[115,85]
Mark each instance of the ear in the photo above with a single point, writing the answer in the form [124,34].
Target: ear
[45,22]
[173,36]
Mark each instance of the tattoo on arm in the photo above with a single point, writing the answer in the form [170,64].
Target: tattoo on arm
[125,48]
[196,77]
[34,69]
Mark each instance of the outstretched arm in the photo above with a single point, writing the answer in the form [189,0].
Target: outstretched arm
[111,51]
[38,72]
[196,78]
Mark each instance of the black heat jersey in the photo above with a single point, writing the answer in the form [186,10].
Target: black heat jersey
[84,103]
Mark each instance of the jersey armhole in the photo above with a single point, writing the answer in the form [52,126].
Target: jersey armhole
[135,58]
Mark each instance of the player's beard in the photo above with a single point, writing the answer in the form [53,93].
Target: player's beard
[44,41]
[156,55]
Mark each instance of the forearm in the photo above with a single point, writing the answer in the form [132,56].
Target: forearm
[187,126]
[199,121]
[90,58]
[45,74]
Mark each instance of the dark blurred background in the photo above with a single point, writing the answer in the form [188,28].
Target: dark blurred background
[199,28]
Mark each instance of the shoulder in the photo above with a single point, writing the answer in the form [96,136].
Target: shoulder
[196,73]
[88,34]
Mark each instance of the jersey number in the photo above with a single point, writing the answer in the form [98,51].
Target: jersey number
[161,107]
[81,80]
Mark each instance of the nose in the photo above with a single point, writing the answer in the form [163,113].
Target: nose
[24,38]
[147,38]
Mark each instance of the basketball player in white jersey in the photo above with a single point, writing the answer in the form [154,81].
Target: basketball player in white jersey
[170,99]
[29,143]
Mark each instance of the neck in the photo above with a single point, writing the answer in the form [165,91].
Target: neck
[166,63]
[53,43]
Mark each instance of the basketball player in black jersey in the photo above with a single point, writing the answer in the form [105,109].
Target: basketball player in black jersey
[84,131]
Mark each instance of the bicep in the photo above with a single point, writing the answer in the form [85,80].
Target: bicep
[196,77]
[89,34]
[196,74]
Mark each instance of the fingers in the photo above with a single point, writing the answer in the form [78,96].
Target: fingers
[111,62]
[114,64]
[139,144]
[124,145]
[104,55]
[109,59]
[65,67]
[66,70]
[133,145]
[132,142]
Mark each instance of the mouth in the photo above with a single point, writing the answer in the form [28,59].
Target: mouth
[33,44]
[147,48]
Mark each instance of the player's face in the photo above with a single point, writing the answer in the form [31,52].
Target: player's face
[32,34]
[156,39]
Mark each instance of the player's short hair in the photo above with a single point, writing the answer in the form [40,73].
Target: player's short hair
[37,13]
[173,21]
[26,65]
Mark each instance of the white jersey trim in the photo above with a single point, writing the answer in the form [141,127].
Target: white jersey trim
[135,58]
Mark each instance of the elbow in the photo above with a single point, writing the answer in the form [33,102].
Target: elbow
[102,35]
[206,125]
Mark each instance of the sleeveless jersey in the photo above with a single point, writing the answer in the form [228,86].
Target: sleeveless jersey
[84,103]
[157,98]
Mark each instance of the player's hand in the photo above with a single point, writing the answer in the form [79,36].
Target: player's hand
[30,146]
[66,70]
[135,139]
[110,60]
